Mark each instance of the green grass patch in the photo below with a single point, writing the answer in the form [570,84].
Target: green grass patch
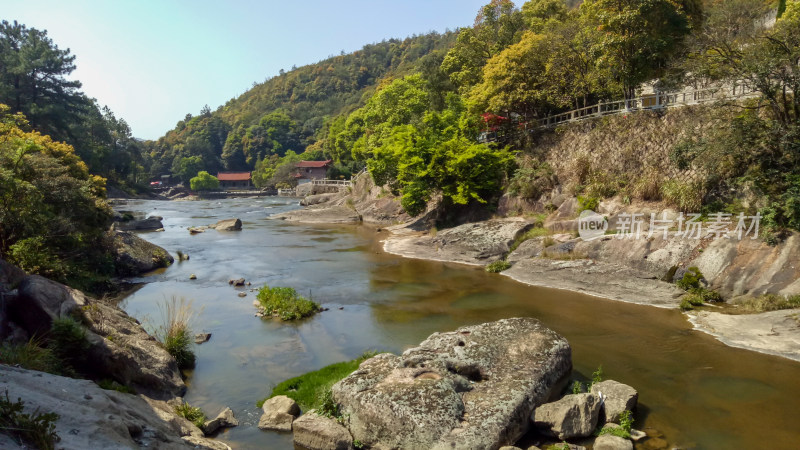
[530,234]
[498,266]
[192,414]
[284,302]
[770,302]
[32,356]
[312,390]
[38,430]
[111,385]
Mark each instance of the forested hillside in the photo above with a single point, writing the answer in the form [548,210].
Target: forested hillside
[288,112]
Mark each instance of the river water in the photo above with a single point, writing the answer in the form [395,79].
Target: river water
[693,390]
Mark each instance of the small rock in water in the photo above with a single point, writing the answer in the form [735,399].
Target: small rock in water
[236,282]
[199,338]
[637,435]
[242,294]
[341,307]
[192,277]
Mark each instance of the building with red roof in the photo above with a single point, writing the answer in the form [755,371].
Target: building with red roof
[311,170]
[235,180]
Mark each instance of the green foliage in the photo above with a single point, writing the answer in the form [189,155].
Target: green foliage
[614,431]
[691,279]
[597,375]
[770,302]
[175,332]
[688,196]
[286,303]
[52,212]
[530,234]
[204,182]
[532,181]
[31,355]
[626,421]
[37,429]
[587,203]
[498,266]
[192,414]
[577,387]
[312,390]
[68,342]
[111,385]
[328,407]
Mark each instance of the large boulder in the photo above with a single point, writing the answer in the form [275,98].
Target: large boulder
[315,432]
[134,255]
[91,417]
[574,416]
[473,388]
[119,348]
[148,224]
[228,225]
[279,413]
[617,398]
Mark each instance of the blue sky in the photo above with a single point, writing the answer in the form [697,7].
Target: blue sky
[154,61]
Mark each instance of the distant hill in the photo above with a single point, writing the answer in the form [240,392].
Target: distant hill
[288,111]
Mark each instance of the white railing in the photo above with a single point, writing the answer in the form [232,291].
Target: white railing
[650,102]
[361,173]
[331,182]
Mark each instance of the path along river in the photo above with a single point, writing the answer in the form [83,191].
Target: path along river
[696,391]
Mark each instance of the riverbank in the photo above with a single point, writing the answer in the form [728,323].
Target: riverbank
[626,270]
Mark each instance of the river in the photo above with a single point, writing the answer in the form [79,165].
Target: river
[694,390]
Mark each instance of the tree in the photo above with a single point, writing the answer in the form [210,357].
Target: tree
[635,38]
[539,14]
[497,26]
[204,182]
[185,167]
[33,73]
[52,211]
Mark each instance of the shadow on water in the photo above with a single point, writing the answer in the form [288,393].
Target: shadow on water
[695,391]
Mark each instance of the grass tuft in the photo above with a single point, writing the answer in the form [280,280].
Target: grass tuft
[31,355]
[312,390]
[175,332]
[192,414]
[770,302]
[284,302]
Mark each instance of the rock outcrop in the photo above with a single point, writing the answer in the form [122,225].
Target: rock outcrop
[151,223]
[473,388]
[134,255]
[91,417]
[573,416]
[228,225]
[617,398]
[118,347]
[315,432]
[472,243]
[279,413]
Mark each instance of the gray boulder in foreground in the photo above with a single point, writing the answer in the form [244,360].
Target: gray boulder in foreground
[91,417]
[573,416]
[611,442]
[315,432]
[473,388]
[617,398]
[279,413]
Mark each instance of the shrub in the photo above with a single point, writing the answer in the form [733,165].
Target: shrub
[691,279]
[68,341]
[312,390]
[204,181]
[175,333]
[498,266]
[687,196]
[36,429]
[532,182]
[686,305]
[587,203]
[111,385]
[597,375]
[192,414]
[285,303]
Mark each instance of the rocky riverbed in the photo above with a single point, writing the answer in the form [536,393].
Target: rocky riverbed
[629,270]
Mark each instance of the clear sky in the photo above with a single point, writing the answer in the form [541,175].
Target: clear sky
[153,61]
